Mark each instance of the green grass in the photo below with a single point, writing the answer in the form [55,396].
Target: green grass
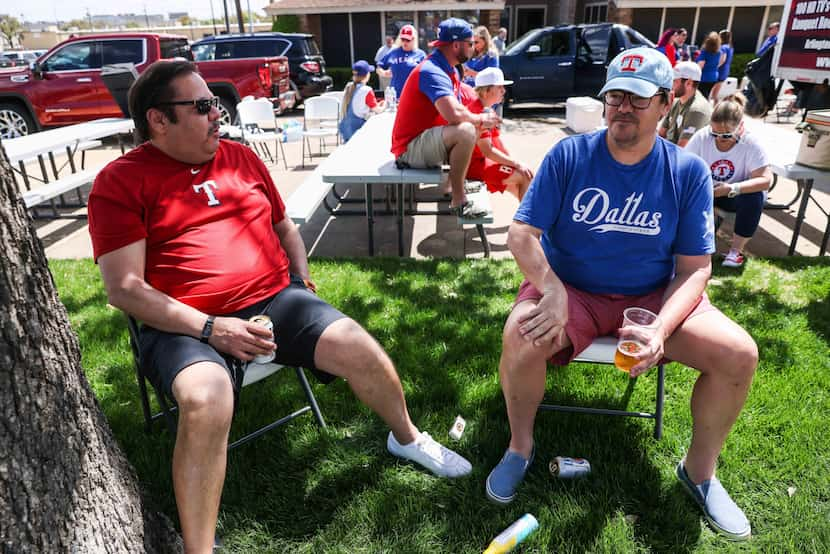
[300,490]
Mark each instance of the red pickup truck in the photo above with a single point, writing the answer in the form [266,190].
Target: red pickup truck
[65,87]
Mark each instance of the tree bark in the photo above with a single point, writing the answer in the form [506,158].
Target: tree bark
[65,484]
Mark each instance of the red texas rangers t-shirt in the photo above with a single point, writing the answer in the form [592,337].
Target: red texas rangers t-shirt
[211,243]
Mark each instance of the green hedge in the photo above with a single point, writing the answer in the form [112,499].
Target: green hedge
[738,66]
[342,75]
[286,24]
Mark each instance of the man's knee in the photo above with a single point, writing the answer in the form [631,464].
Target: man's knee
[462,133]
[520,353]
[204,394]
[345,347]
[739,360]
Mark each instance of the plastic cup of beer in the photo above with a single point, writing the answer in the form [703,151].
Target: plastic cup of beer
[639,326]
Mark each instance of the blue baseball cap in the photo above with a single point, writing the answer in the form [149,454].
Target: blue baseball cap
[451,30]
[362,67]
[641,71]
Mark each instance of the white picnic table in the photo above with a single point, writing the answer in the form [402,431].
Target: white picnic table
[367,159]
[37,145]
[782,150]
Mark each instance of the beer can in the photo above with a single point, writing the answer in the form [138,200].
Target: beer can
[457,428]
[266,322]
[569,468]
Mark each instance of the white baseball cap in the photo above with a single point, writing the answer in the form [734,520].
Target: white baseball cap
[491,76]
[687,70]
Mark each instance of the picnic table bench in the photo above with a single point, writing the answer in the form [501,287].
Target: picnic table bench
[366,159]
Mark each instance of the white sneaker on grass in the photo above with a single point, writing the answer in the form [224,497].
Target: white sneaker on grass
[424,450]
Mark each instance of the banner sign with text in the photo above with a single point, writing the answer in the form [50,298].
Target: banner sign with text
[804,52]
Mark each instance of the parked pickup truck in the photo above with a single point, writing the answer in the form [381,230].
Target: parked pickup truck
[554,63]
[65,87]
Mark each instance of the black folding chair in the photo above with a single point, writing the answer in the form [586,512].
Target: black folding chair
[602,351]
[253,373]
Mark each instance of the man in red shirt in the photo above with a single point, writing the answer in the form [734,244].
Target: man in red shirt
[191,237]
[432,127]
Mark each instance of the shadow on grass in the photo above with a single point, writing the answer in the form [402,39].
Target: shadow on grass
[441,323]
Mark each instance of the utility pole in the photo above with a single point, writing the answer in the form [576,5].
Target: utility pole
[89,18]
[213,18]
[146,18]
[250,18]
[227,21]
[239,20]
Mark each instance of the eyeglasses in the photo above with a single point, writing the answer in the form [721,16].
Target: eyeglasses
[203,105]
[725,136]
[615,98]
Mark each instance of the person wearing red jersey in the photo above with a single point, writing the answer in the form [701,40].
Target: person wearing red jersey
[490,161]
[432,127]
[192,239]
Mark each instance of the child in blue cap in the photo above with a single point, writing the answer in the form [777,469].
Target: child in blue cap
[359,101]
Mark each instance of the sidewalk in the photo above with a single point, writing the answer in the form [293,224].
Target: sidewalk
[530,133]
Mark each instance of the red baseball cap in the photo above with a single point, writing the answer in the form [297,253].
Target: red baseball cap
[407,32]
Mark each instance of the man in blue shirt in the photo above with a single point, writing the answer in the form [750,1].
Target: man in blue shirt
[772,38]
[616,219]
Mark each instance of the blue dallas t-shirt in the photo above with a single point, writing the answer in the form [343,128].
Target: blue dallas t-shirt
[610,228]
[401,63]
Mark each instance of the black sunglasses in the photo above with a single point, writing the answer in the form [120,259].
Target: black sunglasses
[203,105]
[615,98]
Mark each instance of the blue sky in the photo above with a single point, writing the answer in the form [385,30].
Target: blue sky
[49,10]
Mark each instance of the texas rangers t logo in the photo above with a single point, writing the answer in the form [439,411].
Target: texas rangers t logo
[208,187]
[631,62]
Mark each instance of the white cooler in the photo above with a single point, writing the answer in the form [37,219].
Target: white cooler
[815,140]
[583,114]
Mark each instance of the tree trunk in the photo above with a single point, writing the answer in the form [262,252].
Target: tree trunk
[65,485]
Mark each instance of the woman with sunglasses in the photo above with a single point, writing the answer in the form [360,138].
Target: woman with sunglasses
[401,60]
[485,55]
[740,171]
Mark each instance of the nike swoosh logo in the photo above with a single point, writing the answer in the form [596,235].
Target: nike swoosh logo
[195,171]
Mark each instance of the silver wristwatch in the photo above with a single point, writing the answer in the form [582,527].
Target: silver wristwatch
[734,190]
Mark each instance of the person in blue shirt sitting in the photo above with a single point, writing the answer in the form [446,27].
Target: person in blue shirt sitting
[401,60]
[359,101]
[485,55]
[615,219]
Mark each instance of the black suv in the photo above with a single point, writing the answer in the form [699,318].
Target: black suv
[306,64]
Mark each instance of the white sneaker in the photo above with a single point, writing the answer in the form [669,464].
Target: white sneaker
[425,451]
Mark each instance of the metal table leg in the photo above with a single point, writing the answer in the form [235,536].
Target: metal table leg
[802,209]
[370,217]
[400,194]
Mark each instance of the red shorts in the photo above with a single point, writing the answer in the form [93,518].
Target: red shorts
[492,173]
[597,315]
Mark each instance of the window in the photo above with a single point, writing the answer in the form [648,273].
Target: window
[395,20]
[123,51]
[594,43]
[175,48]
[636,39]
[596,13]
[554,44]
[204,52]
[75,57]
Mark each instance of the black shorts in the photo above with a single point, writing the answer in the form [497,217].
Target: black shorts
[299,318]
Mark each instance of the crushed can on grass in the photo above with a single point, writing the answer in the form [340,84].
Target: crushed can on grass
[457,428]
[569,468]
[513,535]
[265,321]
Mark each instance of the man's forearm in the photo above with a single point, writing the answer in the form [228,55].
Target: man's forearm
[680,297]
[529,256]
[156,309]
